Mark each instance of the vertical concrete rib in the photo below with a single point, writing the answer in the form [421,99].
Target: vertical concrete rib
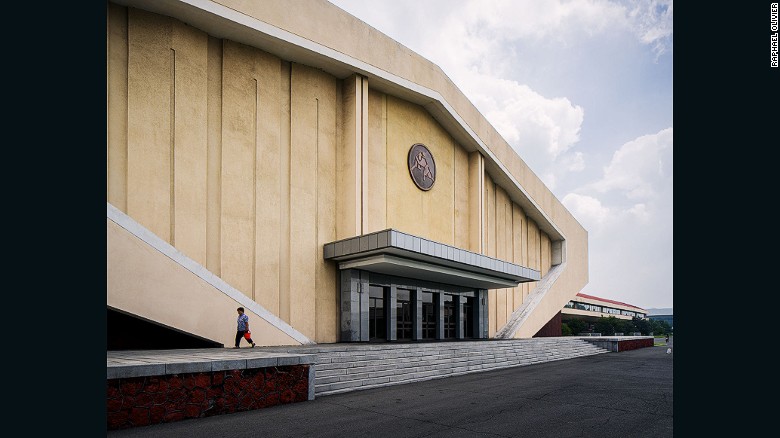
[417,314]
[392,314]
[172,159]
[364,289]
[364,155]
[116,103]
[254,191]
[316,248]
[284,212]
[214,156]
[384,127]
[458,304]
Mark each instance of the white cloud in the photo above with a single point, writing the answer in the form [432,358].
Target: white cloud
[588,210]
[512,19]
[640,212]
[639,166]
[527,120]
[573,162]
[652,21]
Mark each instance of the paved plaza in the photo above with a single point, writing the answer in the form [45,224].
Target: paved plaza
[628,394]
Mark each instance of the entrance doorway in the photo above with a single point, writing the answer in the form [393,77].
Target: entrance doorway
[403,315]
[468,318]
[428,316]
[449,317]
[382,308]
[377,319]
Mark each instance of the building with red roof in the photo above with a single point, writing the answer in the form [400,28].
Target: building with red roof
[590,308]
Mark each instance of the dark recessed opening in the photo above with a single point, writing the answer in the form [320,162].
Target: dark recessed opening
[129,332]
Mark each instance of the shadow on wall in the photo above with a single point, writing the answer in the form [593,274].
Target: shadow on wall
[127,332]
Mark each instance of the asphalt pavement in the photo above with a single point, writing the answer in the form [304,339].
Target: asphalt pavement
[627,394]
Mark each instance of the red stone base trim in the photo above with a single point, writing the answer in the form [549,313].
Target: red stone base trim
[143,401]
[634,344]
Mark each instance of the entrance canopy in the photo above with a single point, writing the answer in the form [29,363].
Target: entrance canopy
[395,253]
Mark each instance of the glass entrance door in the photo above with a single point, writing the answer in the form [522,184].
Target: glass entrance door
[449,317]
[377,326]
[428,316]
[403,315]
[468,318]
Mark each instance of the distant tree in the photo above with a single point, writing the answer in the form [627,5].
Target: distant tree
[660,327]
[565,330]
[642,325]
[624,326]
[577,326]
[606,326]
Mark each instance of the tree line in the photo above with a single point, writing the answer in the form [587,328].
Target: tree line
[610,325]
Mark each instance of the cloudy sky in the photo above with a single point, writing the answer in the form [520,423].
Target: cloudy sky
[582,90]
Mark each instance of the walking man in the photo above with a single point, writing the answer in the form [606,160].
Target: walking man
[243,328]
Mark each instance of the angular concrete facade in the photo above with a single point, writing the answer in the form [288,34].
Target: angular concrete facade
[245,137]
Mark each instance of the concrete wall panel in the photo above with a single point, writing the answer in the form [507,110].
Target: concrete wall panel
[517,246]
[490,247]
[116,106]
[239,103]
[428,214]
[312,202]
[546,252]
[150,126]
[214,157]
[476,202]
[190,140]
[377,161]
[325,284]
[503,236]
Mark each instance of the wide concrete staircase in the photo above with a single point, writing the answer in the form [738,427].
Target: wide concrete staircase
[350,367]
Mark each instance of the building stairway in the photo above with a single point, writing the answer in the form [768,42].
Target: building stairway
[350,367]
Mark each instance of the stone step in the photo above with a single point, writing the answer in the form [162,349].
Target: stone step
[354,368]
[378,370]
[325,363]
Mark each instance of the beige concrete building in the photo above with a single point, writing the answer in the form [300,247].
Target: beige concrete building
[287,158]
[591,308]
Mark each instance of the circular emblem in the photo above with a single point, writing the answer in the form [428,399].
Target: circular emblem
[422,168]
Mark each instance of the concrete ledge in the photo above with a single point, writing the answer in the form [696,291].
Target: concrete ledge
[187,367]
[262,362]
[118,371]
[617,344]
[222,365]
[125,364]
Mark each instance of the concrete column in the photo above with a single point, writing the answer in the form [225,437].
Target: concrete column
[557,252]
[438,311]
[392,314]
[481,312]
[476,176]
[458,302]
[311,381]
[349,286]
[476,316]
[417,314]
[364,306]
[349,181]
